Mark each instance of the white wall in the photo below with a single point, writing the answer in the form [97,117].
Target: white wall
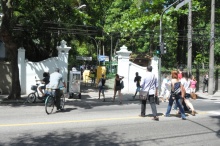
[128,69]
[36,69]
[29,70]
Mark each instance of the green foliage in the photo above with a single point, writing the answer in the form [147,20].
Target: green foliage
[134,23]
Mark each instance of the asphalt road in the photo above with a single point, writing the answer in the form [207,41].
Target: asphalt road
[92,122]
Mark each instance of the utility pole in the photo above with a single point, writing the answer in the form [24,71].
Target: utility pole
[111,56]
[189,60]
[212,47]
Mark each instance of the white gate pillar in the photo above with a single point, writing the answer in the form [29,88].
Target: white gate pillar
[22,69]
[63,53]
[154,64]
[123,66]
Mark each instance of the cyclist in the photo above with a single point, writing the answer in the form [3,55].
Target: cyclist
[55,79]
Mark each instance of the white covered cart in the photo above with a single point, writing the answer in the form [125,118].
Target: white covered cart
[74,83]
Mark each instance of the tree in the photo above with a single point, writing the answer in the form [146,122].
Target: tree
[11,45]
[34,25]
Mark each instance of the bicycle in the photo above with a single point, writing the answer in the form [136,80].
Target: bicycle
[50,101]
[34,95]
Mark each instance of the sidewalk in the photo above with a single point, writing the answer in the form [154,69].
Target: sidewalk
[92,93]
[87,92]
[205,95]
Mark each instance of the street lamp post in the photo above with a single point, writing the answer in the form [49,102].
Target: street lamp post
[96,45]
[161,42]
[212,47]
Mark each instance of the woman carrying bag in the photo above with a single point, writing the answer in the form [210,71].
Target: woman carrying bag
[117,88]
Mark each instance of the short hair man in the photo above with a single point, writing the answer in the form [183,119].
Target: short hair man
[149,84]
[55,79]
[137,79]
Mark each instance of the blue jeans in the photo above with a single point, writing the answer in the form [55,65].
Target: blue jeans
[177,99]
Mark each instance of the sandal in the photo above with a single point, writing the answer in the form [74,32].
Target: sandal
[193,113]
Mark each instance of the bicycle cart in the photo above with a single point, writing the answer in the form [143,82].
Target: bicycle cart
[74,84]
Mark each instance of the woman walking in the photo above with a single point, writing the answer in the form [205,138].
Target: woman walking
[193,84]
[185,81]
[165,93]
[175,95]
[117,88]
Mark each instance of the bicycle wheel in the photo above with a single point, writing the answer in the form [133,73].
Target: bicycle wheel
[49,104]
[62,101]
[31,98]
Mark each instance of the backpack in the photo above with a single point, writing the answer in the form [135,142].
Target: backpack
[122,84]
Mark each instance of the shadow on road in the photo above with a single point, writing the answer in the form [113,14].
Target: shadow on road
[67,138]
[217,131]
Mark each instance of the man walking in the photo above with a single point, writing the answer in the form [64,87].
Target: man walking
[150,85]
[137,79]
[55,79]
[205,82]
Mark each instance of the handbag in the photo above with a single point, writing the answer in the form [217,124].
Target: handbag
[100,83]
[193,95]
[122,84]
[143,95]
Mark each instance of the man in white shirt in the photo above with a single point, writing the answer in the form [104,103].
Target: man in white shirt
[55,79]
[150,84]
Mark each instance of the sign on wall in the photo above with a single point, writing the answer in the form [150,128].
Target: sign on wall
[84,58]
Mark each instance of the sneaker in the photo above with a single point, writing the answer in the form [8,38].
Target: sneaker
[133,97]
[183,118]
[166,115]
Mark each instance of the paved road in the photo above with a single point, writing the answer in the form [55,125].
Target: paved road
[92,122]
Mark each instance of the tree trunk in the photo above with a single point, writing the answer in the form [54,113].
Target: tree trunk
[15,92]
[12,49]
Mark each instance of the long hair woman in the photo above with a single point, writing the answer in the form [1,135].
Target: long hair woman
[117,88]
[175,96]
